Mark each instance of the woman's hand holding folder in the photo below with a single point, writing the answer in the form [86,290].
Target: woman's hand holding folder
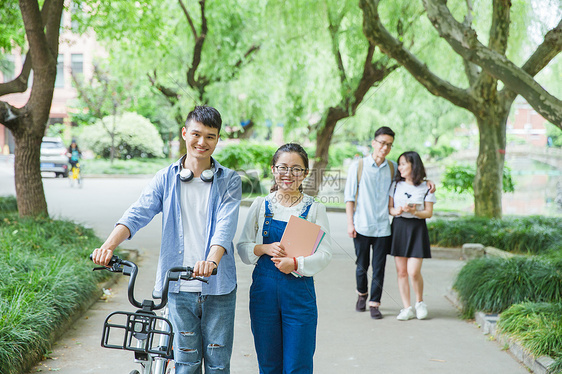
[273,250]
[284,264]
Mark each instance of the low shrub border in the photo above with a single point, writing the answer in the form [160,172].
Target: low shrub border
[45,280]
[537,327]
[524,235]
[493,284]
[526,292]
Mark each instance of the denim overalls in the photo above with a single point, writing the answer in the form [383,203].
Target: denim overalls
[282,310]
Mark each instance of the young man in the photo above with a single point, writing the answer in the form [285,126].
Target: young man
[199,200]
[366,206]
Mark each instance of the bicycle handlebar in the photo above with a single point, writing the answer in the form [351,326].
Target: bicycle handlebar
[118,265]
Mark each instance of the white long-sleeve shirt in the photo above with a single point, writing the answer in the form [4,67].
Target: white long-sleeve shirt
[252,232]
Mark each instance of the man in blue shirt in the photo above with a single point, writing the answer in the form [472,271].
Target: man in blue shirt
[199,200]
[366,206]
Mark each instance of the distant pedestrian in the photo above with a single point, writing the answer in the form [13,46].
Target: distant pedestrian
[73,153]
[283,307]
[410,202]
[199,200]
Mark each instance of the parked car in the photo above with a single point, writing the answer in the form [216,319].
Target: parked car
[53,156]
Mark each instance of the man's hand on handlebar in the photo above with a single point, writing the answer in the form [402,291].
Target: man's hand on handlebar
[204,268]
[101,256]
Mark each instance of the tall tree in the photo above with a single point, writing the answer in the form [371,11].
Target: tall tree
[27,124]
[353,87]
[183,56]
[483,97]
[464,40]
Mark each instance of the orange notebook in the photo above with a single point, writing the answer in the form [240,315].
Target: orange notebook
[301,237]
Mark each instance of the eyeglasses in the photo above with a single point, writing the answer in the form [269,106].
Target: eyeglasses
[383,144]
[296,171]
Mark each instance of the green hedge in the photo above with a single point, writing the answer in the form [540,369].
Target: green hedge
[534,234]
[494,284]
[537,327]
[45,277]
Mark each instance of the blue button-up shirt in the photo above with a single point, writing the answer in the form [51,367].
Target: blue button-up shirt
[162,194]
[371,214]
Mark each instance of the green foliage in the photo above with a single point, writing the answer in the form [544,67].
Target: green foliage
[45,277]
[8,204]
[441,152]
[533,234]
[339,152]
[537,326]
[147,166]
[12,32]
[461,179]
[246,155]
[82,117]
[494,284]
[555,134]
[135,136]
[55,130]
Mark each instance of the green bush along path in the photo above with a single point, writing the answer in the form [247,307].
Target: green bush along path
[44,281]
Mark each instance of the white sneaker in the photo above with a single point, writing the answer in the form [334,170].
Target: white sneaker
[421,310]
[406,314]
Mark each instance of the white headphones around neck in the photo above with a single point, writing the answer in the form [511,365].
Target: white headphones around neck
[206,175]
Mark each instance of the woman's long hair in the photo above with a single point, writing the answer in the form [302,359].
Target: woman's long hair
[289,148]
[418,170]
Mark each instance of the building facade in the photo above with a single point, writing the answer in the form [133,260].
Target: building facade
[527,124]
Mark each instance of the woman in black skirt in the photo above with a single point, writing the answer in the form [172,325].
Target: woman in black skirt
[410,203]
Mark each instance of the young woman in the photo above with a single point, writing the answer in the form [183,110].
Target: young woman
[283,308]
[410,203]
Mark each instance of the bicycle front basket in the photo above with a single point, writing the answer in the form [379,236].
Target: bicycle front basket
[138,332]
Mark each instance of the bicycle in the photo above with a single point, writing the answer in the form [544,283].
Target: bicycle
[143,332]
[75,175]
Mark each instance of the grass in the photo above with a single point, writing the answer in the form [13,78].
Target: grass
[525,235]
[45,277]
[494,284]
[128,167]
[538,328]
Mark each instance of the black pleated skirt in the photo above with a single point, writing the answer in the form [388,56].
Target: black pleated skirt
[410,238]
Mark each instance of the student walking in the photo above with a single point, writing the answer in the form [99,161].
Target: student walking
[199,200]
[410,202]
[366,206]
[283,308]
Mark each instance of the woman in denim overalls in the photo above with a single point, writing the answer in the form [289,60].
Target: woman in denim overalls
[282,303]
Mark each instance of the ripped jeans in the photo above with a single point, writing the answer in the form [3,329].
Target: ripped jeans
[203,331]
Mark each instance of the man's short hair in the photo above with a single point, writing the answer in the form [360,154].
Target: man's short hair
[384,131]
[206,115]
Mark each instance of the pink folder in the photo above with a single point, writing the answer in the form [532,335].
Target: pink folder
[301,237]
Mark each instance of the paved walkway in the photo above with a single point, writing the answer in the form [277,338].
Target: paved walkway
[348,342]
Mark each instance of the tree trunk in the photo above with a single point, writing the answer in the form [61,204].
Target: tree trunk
[29,185]
[323,140]
[489,164]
